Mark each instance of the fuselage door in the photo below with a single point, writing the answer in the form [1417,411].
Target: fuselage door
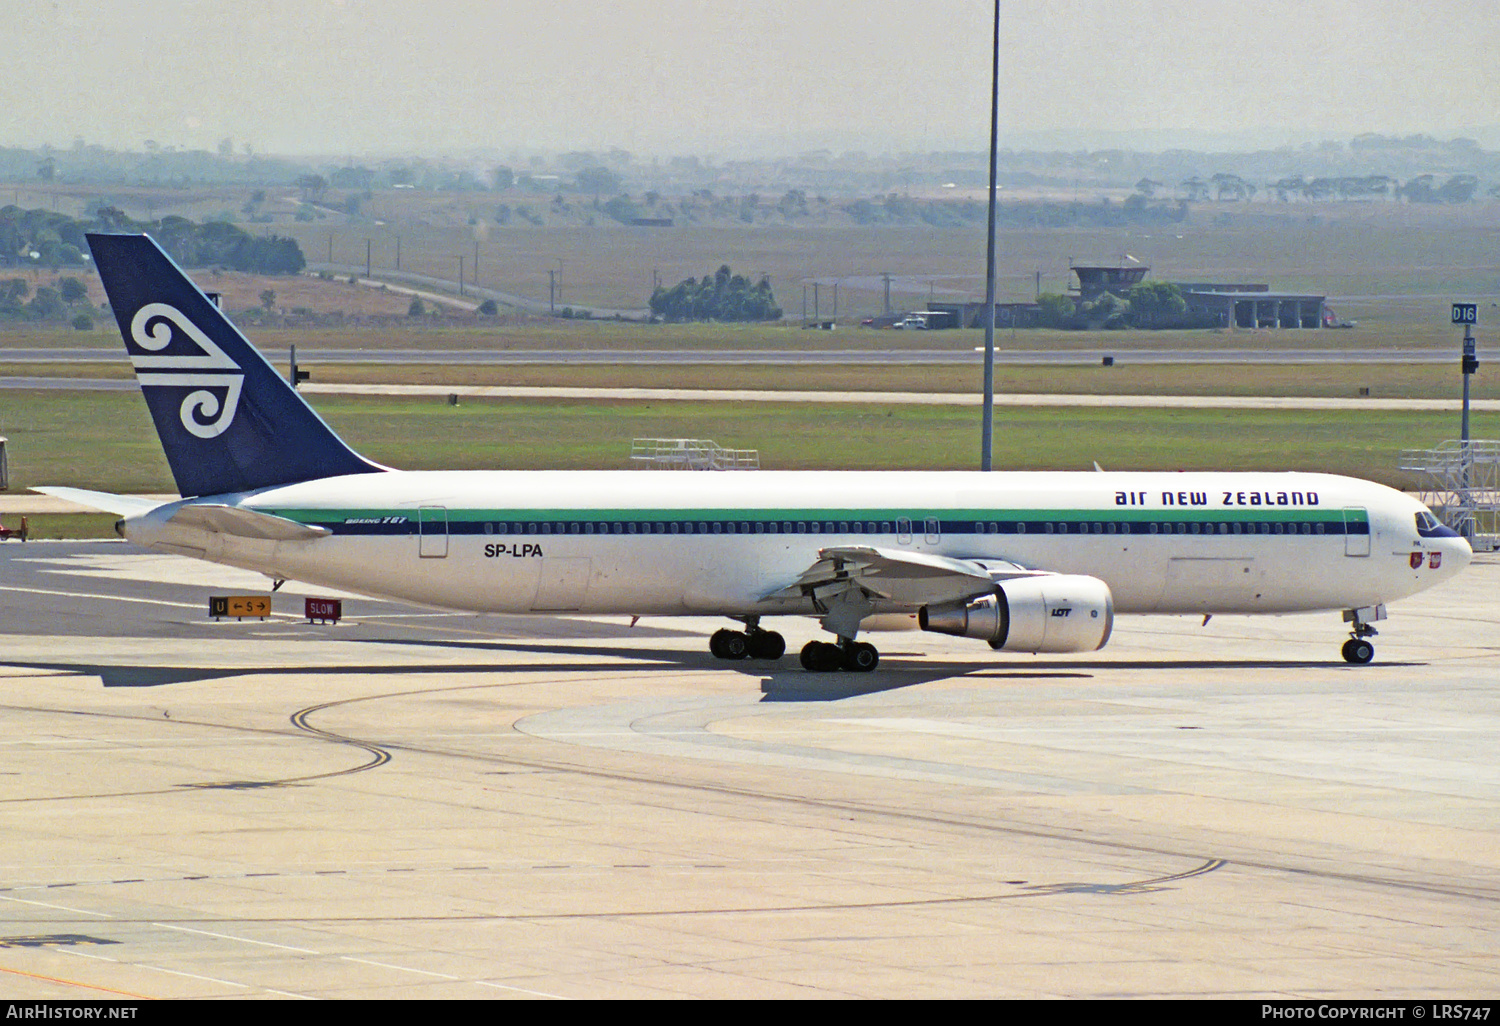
[1356,531]
[432,532]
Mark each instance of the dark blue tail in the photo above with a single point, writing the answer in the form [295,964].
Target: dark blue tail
[227,420]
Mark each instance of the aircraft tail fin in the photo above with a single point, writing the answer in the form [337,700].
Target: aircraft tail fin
[227,420]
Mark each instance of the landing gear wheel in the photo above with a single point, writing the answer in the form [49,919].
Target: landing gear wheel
[766,645]
[1358,650]
[860,657]
[821,657]
[728,644]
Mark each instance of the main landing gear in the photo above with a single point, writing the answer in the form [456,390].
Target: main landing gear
[751,643]
[1357,650]
[855,656]
[817,656]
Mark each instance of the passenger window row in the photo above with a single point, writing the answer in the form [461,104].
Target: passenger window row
[903,527]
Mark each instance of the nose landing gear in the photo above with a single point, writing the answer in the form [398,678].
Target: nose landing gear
[1357,649]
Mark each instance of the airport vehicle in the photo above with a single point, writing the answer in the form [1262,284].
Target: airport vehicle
[1028,562]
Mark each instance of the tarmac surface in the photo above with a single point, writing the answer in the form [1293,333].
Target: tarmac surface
[413,804]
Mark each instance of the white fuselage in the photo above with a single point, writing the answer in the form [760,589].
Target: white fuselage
[665,543]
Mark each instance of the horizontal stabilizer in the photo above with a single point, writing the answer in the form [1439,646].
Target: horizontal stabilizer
[108,502]
[244,523]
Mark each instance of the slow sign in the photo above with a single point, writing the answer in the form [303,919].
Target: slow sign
[324,610]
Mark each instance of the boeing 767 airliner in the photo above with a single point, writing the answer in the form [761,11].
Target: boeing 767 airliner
[1028,562]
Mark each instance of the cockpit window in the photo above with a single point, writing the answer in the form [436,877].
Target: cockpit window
[1429,526]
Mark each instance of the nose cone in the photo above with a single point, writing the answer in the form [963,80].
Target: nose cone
[1457,554]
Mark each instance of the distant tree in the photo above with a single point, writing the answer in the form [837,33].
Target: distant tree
[416,309]
[503,178]
[1233,186]
[83,322]
[1195,188]
[1320,188]
[1108,311]
[1419,190]
[45,304]
[1459,189]
[352,178]
[47,170]
[1056,310]
[312,186]
[725,296]
[1155,304]
[1147,187]
[488,308]
[598,180]
[268,299]
[72,290]
[1290,186]
[622,209]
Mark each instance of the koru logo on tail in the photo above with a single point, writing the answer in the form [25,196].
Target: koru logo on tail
[204,412]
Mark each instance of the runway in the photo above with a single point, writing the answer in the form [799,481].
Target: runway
[414,804]
[744,395]
[963,354]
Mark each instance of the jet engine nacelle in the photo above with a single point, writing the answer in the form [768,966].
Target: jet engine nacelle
[1046,613]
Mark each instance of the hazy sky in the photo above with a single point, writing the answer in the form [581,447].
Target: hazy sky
[366,77]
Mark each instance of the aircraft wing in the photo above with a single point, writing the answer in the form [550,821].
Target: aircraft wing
[243,523]
[848,583]
[108,502]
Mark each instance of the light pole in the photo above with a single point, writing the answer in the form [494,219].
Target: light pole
[986,445]
[1467,314]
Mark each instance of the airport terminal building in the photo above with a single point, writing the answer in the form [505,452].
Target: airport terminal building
[1229,304]
[1226,304]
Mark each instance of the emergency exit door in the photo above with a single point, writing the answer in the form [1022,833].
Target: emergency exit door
[432,532]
